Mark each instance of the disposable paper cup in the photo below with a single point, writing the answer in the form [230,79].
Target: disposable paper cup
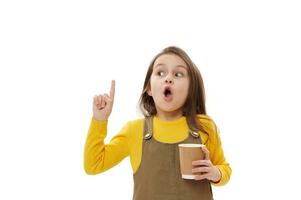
[189,153]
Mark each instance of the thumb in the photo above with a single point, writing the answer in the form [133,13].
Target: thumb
[206,153]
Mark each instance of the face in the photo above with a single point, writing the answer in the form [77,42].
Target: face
[169,83]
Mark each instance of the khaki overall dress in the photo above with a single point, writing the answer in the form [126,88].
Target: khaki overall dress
[159,177]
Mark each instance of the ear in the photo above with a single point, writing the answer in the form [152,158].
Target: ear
[149,92]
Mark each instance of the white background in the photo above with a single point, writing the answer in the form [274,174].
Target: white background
[56,55]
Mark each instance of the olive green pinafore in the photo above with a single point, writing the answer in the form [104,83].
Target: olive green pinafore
[159,177]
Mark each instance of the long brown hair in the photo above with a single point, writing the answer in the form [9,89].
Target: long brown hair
[195,102]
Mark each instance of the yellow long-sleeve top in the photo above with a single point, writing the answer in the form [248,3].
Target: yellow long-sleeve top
[99,157]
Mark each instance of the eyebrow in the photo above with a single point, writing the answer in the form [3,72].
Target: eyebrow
[162,64]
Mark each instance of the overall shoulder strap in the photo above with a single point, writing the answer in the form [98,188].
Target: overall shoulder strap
[148,128]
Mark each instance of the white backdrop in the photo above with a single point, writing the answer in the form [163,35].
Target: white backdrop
[55,55]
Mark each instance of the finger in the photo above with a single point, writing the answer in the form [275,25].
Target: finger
[206,152]
[201,163]
[99,98]
[103,102]
[201,177]
[200,170]
[108,99]
[98,101]
[112,91]
[95,101]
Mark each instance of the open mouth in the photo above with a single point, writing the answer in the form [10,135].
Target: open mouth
[167,94]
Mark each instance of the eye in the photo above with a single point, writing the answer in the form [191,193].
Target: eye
[160,73]
[179,74]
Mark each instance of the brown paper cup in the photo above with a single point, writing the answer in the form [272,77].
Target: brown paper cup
[189,153]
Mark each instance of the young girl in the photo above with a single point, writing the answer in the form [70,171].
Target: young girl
[173,103]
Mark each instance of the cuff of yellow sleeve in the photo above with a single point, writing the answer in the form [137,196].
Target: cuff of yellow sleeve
[94,121]
[99,126]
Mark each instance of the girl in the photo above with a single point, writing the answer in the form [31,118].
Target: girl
[173,103]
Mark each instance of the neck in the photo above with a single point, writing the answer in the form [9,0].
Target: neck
[169,116]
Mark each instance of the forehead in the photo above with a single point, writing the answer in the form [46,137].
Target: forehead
[170,60]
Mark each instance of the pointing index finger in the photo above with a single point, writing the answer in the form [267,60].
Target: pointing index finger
[112,91]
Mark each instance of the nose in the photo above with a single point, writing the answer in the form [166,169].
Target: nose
[168,80]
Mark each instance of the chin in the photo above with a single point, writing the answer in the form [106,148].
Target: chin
[169,108]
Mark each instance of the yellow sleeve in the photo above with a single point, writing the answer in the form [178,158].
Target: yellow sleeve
[217,156]
[98,156]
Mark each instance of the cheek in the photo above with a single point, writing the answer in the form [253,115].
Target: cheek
[155,86]
[185,90]
[185,85]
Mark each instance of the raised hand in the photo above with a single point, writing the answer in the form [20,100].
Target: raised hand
[103,104]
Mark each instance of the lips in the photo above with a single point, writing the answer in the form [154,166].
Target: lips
[168,93]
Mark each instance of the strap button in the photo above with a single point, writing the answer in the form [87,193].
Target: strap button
[147,136]
[194,134]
